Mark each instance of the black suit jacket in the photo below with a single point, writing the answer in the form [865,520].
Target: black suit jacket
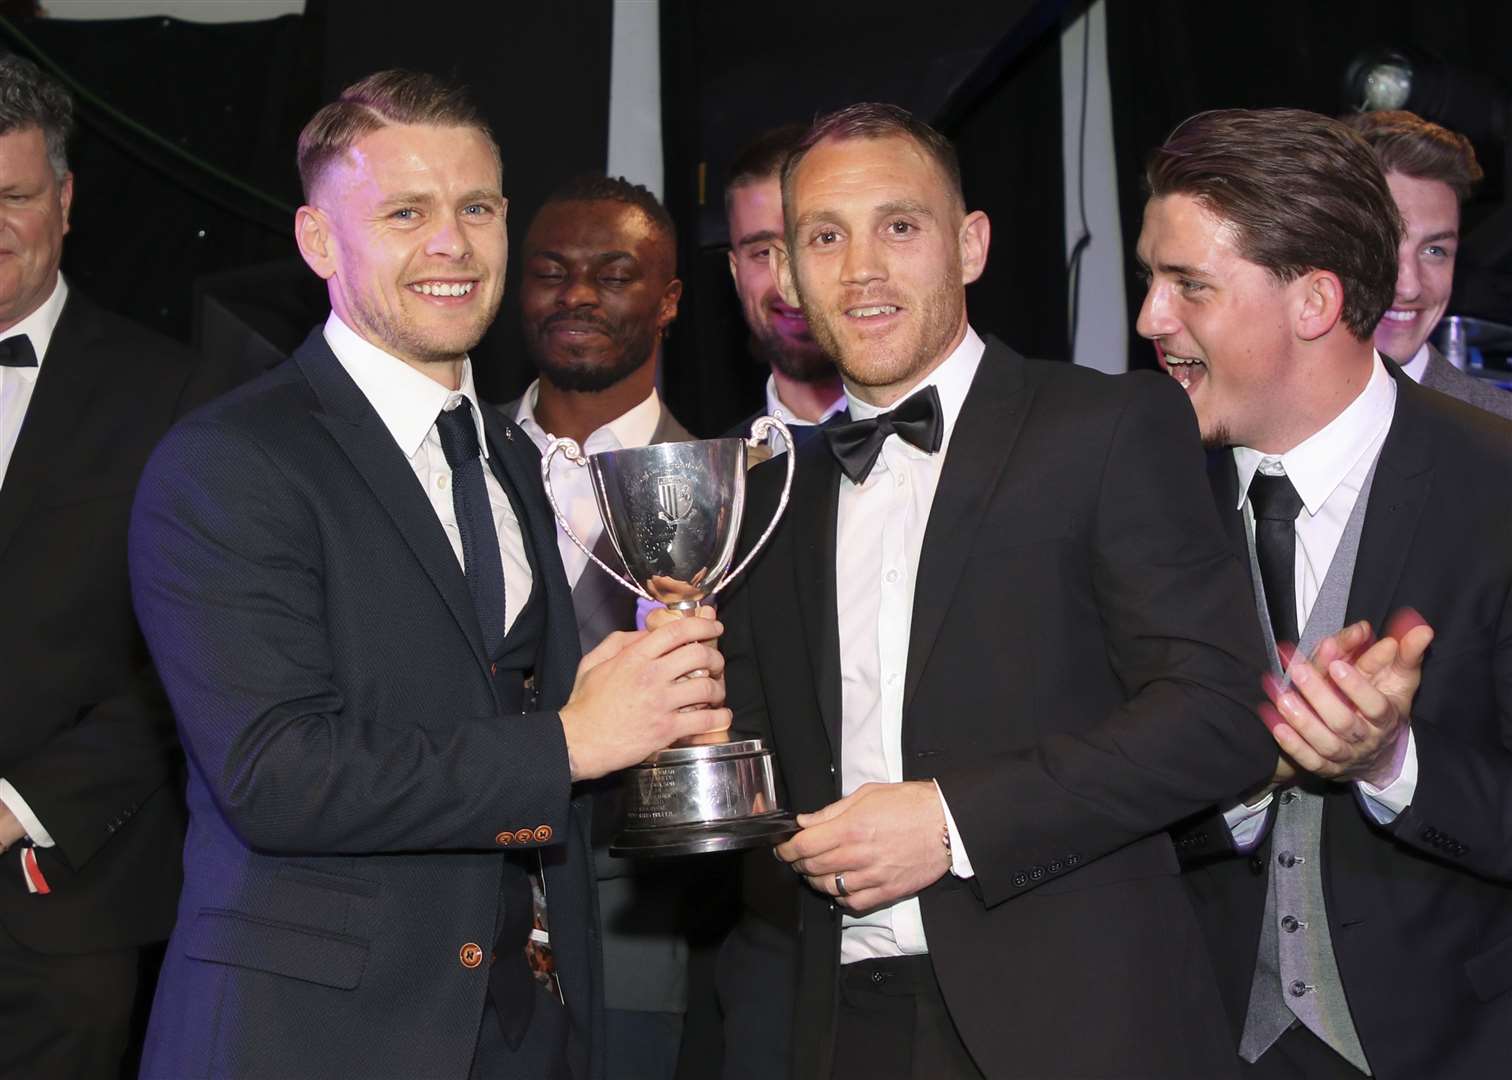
[1420,911]
[353,785]
[1075,683]
[85,734]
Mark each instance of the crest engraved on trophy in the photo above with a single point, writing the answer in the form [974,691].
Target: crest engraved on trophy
[672,512]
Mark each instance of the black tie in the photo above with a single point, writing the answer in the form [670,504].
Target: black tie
[17,351]
[1276,505]
[480,540]
[858,444]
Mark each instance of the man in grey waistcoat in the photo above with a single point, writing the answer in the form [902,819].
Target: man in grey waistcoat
[1357,908]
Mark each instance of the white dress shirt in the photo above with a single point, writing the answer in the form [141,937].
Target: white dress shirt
[16,388]
[775,407]
[879,532]
[1328,469]
[408,403]
[570,483]
[17,384]
[1417,367]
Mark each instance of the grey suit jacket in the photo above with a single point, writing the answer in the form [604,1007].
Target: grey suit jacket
[640,901]
[1444,377]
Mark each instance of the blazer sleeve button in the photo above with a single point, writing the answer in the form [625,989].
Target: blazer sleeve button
[504,839]
[524,836]
[542,833]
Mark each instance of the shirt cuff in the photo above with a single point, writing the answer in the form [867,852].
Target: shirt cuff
[1246,824]
[1384,804]
[13,801]
[960,862]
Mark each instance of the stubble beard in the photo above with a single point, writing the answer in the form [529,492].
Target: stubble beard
[574,373]
[805,362]
[940,310]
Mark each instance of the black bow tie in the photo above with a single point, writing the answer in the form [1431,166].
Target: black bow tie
[17,351]
[858,444]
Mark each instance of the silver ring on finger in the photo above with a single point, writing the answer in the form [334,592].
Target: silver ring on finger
[840,889]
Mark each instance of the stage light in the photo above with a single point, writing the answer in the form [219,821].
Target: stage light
[1473,104]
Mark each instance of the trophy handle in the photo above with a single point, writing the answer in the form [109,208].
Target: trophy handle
[759,431]
[569,449]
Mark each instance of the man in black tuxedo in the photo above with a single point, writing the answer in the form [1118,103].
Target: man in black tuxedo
[90,816]
[348,575]
[1357,906]
[598,292]
[992,644]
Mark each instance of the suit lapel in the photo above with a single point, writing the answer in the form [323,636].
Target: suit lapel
[68,375]
[816,493]
[980,446]
[1397,497]
[367,444]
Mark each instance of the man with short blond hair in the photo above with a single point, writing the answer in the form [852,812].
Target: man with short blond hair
[348,574]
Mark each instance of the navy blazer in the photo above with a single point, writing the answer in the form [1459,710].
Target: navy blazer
[353,784]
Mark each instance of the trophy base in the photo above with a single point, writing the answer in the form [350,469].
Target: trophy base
[705,837]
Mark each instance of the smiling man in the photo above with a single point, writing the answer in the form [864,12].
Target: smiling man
[1431,172]
[600,289]
[803,389]
[990,642]
[348,575]
[1357,907]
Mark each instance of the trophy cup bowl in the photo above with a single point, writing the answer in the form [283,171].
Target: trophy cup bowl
[673,511]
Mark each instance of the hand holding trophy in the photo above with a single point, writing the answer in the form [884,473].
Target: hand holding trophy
[673,513]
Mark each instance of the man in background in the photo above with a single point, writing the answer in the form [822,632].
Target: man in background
[1431,172]
[803,389]
[598,291]
[1357,906]
[91,819]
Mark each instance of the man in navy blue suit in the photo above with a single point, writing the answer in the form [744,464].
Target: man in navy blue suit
[348,574]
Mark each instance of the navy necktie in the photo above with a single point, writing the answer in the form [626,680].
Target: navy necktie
[1276,505]
[17,351]
[480,540]
[858,444]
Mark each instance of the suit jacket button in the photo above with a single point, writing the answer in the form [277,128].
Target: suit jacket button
[1036,872]
[1021,879]
[1072,860]
[504,839]
[1055,866]
[524,836]
[542,833]
[1287,859]
[470,954]
[493,669]
[1257,864]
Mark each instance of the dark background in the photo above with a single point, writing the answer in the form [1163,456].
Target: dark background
[193,234]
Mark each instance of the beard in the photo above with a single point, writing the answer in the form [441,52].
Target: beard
[940,311]
[589,371]
[803,362]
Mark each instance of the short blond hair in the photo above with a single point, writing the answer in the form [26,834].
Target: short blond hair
[384,98]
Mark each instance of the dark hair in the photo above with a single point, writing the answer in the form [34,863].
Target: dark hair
[30,99]
[1406,143]
[872,120]
[762,158]
[591,187]
[1302,193]
[382,99]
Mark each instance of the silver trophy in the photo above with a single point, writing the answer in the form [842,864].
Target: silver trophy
[672,512]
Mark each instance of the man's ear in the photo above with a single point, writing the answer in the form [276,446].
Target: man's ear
[1319,304]
[783,275]
[312,232]
[666,311]
[65,198]
[975,237]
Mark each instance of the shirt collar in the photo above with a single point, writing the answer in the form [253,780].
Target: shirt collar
[1318,464]
[40,324]
[407,401]
[951,380]
[634,427]
[1417,367]
[775,407]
